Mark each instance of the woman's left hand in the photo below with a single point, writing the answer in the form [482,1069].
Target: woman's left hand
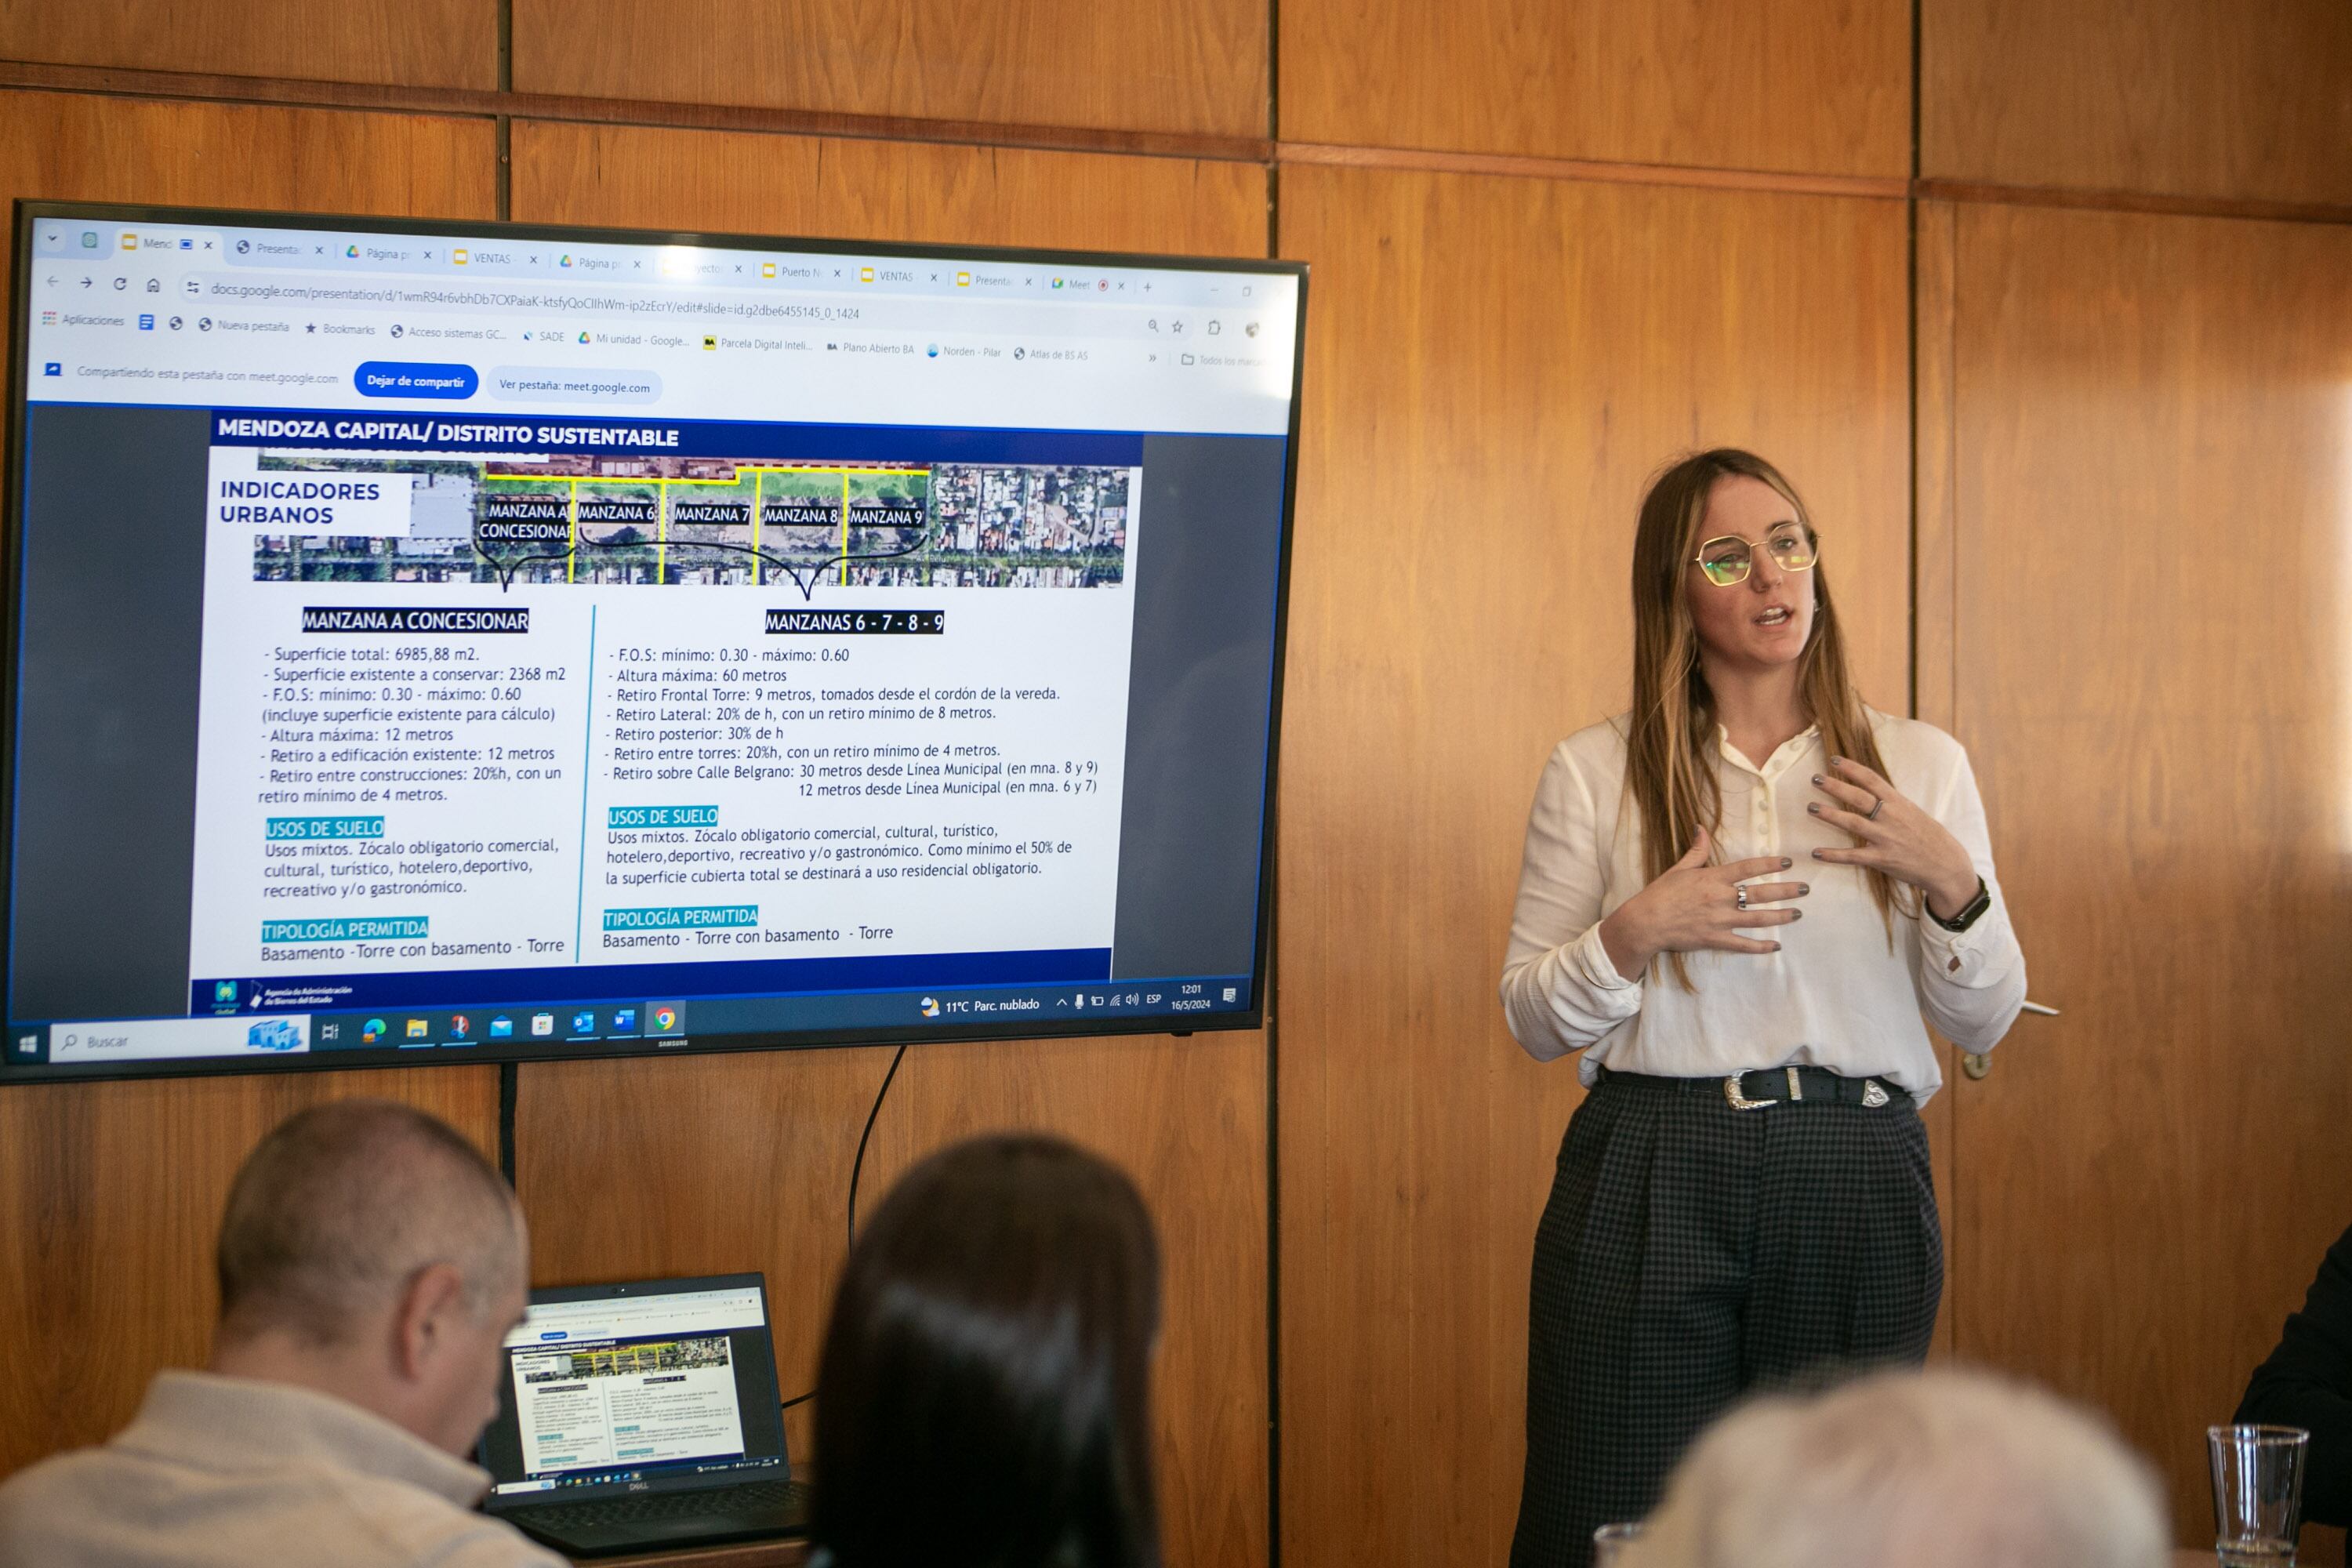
[1901,840]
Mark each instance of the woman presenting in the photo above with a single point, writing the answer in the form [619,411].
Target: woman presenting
[1738,901]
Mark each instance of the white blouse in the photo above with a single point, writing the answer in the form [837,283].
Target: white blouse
[1838,995]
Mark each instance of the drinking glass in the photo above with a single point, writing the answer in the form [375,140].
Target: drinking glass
[1610,1541]
[2257,1493]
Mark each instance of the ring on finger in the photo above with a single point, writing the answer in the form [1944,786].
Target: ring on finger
[1877,805]
[1739,896]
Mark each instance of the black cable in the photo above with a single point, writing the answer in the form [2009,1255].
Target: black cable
[509,1091]
[856,1168]
[859,1163]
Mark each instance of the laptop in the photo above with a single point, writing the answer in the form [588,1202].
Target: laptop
[641,1417]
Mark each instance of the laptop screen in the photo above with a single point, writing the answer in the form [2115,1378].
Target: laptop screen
[614,1389]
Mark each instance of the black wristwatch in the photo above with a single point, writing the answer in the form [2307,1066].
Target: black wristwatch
[1971,912]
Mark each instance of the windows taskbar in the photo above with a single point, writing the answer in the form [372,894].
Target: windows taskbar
[1184,1003]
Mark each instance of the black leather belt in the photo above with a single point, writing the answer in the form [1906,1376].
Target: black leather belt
[1770,1085]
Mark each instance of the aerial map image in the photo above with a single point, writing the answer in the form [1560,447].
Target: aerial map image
[669,520]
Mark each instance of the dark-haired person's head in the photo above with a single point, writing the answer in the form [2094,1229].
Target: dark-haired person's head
[368,1251]
[984,1393]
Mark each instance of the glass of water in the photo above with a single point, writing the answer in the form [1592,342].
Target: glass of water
[2257,1493]
[1608,1544]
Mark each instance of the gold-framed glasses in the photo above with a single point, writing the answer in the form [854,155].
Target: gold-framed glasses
[1726,560]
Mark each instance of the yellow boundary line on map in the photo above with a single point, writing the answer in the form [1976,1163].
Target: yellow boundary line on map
[661,526]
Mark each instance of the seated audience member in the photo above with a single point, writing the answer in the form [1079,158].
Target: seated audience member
[2307,1382]
[371,1261]
[983,1396]
[1935,1470]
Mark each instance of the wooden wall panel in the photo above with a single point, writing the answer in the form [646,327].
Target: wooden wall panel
[413,43]
[110,1192]
[2153,499]
[1137,65]
[2198,98]
[842,189]
[1814,86]
[110,1198]
[1495,365]
[745,1159]
[82,147]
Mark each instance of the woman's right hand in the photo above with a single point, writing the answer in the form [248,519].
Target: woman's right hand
[1693,906]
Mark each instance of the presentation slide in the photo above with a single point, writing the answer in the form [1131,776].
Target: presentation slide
[652,1402]
[559,730]
[520,642]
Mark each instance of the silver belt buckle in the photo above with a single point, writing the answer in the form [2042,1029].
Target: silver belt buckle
[1738,1101]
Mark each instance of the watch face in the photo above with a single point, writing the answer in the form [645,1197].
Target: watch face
[1969,912]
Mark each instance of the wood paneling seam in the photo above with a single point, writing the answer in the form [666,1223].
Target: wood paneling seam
[313,94]
[310,94]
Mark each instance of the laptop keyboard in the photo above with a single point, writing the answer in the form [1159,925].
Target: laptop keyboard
[642,1506]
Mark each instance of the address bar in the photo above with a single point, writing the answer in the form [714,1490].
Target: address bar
[232,289]
[747,307]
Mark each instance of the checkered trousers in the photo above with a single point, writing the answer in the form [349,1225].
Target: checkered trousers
[1692,1252]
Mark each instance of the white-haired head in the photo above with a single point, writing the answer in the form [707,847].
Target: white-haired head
[1939,1470]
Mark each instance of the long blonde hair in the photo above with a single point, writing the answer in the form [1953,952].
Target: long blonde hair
[1670,742]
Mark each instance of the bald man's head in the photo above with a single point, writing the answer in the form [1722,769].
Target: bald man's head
[339,1209]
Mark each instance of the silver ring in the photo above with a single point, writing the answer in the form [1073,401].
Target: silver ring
[1739,896]
[1876,809]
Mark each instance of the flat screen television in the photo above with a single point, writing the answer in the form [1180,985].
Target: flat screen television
[441,642]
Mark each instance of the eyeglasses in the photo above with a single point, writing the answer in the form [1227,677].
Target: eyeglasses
[1726,560]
